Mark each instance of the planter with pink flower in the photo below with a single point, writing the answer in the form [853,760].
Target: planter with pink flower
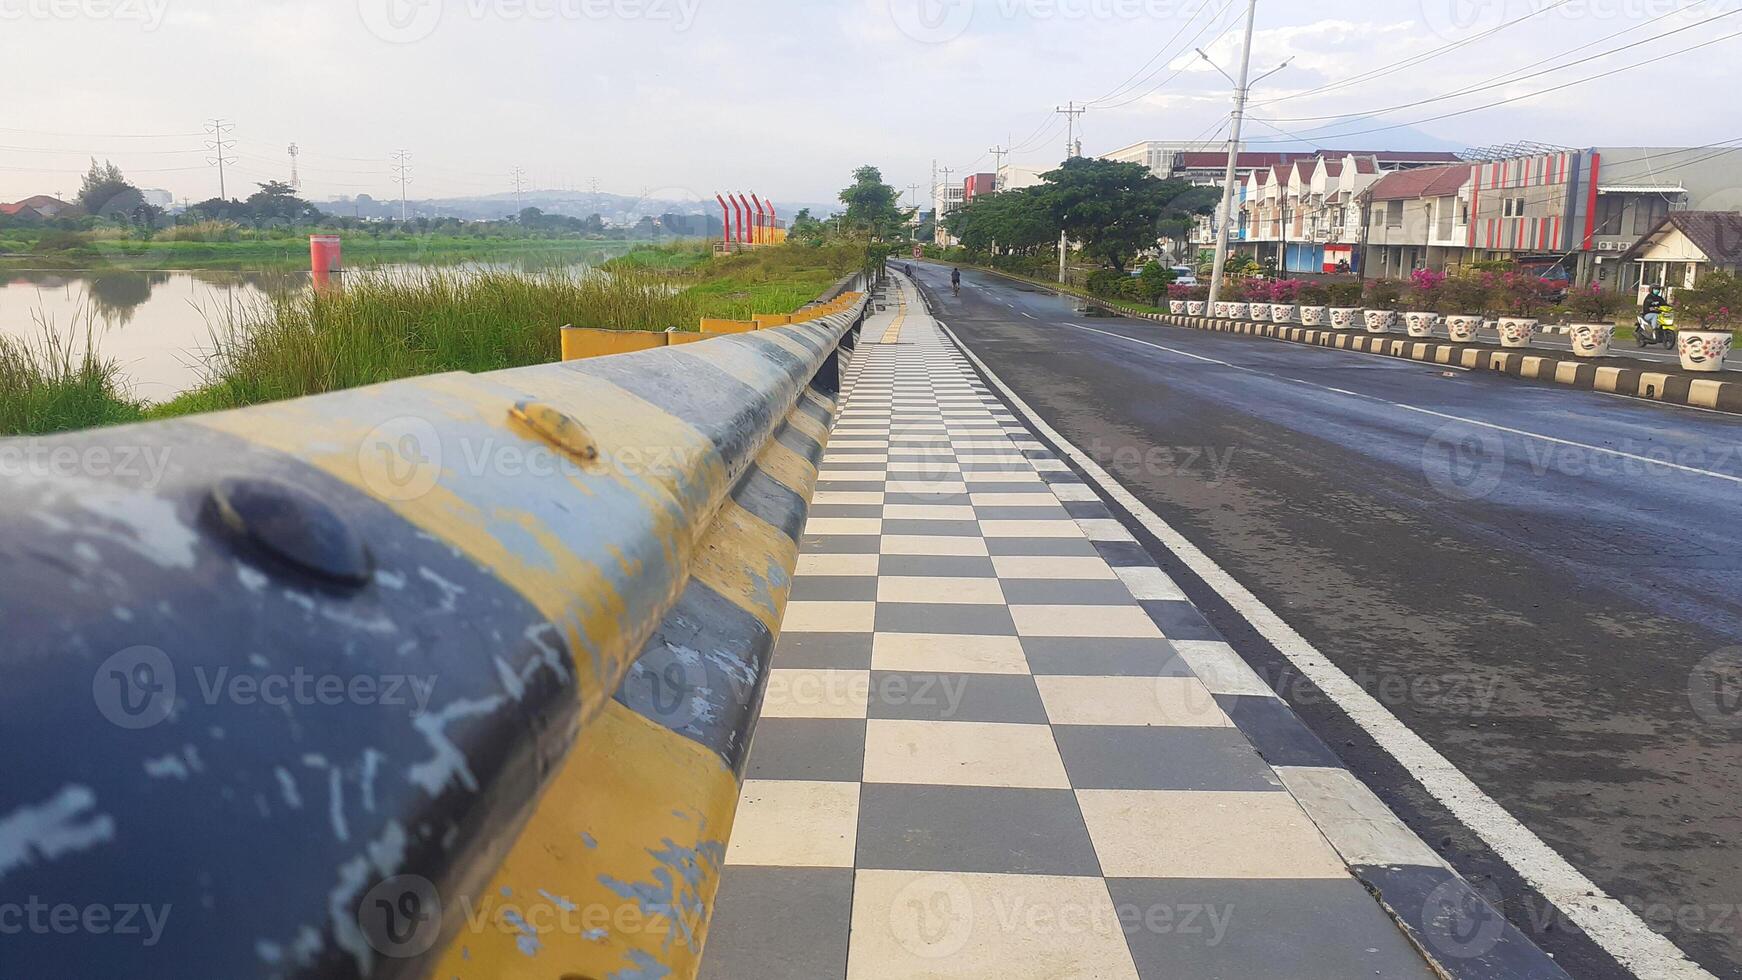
[1463,303]
[1593,310]
[1384,296]
[1715,305]
[1521,297]
[1421,302]
[1284,301]
[1179,295]
[1345,304]
[1313,302]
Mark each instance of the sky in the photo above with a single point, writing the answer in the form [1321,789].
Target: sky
[678,99]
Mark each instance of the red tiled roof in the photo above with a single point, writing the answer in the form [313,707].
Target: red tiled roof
[1405,185]
[1716,233]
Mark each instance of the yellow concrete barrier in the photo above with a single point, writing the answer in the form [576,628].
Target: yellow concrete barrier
[677,337]
[766,320]
[584,342]
[710,325]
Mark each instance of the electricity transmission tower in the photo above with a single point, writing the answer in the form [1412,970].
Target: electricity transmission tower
[218,141]
[295,179]
[402,174]
[518,175]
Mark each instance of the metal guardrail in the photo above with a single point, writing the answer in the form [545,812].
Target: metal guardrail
[364,684]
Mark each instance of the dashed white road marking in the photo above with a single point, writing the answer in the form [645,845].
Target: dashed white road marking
[1415,408]
[1609,923]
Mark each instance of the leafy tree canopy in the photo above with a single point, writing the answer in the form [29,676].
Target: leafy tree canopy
[873,206]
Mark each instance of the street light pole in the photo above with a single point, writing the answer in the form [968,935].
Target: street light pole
[1240,89]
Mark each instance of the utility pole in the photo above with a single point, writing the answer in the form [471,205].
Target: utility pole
[998,155]
[402,174]
[1240,89]
[219,142]
[913,189]
[1072,151]
[295,179]
[1071,112]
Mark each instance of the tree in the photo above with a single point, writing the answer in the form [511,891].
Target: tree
[103,187]
[276,203]
[872,207]
[1019,221]
[807,230]
[1117,210]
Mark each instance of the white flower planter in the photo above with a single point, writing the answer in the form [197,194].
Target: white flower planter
[1345,318]
[1284,313]
[1314,316]
[1591,339]
[1195,307]
[1703,350]
[1258,311]
[1516,331]
[1380,321]
[1220,311]
[1420,324]
[1462,329]
[1176,306]
[1237,311]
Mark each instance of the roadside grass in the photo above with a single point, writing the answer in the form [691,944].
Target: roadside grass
[384,325]
[53,384]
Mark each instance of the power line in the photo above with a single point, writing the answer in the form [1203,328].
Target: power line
[1117,89]
[1528,95]
[1511,77]
[1177,72]
[1414,60]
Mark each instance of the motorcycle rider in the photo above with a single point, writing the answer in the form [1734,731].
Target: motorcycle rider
[1651,310]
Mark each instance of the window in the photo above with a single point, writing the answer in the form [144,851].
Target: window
[1394,214]
[1648,210]
[1609,211]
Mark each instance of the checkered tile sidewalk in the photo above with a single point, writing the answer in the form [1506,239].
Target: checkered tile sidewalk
[996,740]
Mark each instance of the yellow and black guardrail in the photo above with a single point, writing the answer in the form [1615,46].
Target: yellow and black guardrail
[453,676]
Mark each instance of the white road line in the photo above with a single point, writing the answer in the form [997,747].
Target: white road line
[1424,411]
[1609,923]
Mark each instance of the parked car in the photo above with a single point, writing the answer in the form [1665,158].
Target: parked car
[1185,275]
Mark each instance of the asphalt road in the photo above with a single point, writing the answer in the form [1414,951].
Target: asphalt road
[1543,583]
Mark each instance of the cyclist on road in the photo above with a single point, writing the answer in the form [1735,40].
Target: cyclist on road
[956,281]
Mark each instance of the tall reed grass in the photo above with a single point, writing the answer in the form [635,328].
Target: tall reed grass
[385,325]
[52,383]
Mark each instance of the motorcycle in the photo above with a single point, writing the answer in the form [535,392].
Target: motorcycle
[1664,334]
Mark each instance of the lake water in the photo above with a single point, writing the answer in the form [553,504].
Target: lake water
[158,326]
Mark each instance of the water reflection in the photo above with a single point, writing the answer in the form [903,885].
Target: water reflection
[160,325]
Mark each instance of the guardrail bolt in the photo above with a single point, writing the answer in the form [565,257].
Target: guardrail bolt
[557,428]
[295,527]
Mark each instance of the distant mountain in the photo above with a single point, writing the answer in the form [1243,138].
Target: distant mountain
[616,209]
[1352,133]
